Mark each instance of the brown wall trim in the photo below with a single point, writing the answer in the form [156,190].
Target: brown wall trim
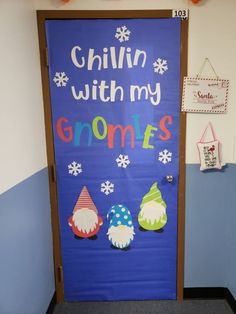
[105,14]
[182,145]
[50,158]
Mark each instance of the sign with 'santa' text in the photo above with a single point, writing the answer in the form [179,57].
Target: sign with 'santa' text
[205,95]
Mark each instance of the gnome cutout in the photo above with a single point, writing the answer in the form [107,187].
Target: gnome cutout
[121,229]
[153,210]
[85,222]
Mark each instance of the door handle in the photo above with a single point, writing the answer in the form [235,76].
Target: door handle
[169,178]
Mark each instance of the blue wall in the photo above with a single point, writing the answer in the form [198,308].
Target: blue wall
[26,272]
[210,228]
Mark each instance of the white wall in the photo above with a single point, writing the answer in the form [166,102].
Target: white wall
[212,29]
[21,115]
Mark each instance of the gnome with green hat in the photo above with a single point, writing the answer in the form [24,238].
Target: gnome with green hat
[152,215]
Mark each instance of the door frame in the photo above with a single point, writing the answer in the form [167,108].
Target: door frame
[42,16]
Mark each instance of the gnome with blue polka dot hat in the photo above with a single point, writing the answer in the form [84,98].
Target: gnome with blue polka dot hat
[121,229]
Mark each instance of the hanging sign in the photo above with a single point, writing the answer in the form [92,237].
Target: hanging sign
[180,13]
[204,94]
[209,151]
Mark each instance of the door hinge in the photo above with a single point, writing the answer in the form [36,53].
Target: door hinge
[53,173]
[46,57]
[60,274]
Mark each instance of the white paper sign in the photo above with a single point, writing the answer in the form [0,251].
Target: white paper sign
[181,13]
[205,95]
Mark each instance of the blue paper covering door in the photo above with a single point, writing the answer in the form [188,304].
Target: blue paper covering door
[115,93]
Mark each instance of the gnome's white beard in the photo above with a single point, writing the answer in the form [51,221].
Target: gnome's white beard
[121,236]
[85,220]
[152,212]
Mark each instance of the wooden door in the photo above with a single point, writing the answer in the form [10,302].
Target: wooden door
[115,136]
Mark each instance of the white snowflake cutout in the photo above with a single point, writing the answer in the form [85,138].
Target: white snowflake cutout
[165,156]
[74,168]
[107,187]
[123,161]
[60,79]
[160,66]
[122,33]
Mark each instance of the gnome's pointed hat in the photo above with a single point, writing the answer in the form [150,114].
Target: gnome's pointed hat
[85,201]
[119,215]
[154,194]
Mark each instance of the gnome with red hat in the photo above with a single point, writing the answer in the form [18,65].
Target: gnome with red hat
[85,221]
